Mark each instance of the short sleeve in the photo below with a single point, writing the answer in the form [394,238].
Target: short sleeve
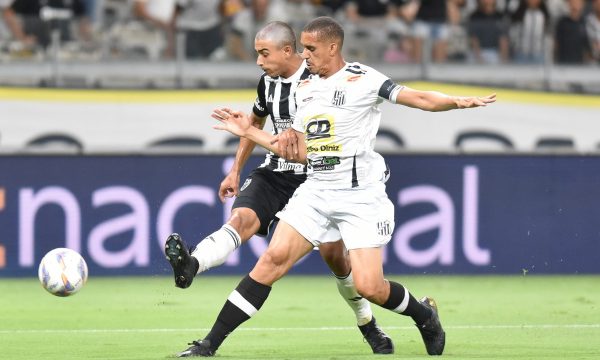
[260,104]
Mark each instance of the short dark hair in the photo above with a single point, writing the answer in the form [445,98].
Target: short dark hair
[326,28]
[278,32]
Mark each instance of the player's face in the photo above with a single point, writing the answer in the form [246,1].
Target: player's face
[271,58]
[316,53]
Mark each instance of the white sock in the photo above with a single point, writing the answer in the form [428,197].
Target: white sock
[360,305]
[216,247]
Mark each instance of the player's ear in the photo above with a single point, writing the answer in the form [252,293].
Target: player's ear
[333,48]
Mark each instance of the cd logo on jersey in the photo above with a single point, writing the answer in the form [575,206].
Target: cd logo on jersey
[318,129]
[339,97]
[246,183]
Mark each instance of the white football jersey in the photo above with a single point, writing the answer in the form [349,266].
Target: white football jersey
[340,117]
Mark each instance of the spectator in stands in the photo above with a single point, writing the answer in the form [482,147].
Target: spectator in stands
[431,23]
[159,15]
[571,42]
[32,21]
[202,23]
[593,30]
[457,48]
[488,34]
[245,24]
[528,30]
[371,24]
[328,7]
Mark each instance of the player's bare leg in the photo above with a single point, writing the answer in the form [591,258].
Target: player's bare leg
[336,257]
[371,284]
[286,247]
[211,251]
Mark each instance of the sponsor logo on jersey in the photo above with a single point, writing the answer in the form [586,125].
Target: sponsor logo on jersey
[270,98]
[339,97]
[353,78]
[246,184]
[325,163]
[318,128]
[305,100]
[384,228]
[283,124]
[324,147]
[283,165]
[257,104]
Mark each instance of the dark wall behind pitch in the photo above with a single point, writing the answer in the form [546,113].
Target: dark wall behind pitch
[454,214]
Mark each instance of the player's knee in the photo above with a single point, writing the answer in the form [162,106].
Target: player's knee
[274,258]
[373,291]
[271,266]
[245,222]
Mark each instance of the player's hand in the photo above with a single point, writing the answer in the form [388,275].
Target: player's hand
[229,186]
[472,101]
[236,122]
[287,144]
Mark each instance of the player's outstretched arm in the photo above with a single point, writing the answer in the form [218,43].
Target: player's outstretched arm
[437,101]
[240,124]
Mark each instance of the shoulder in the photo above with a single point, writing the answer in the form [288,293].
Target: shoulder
[262,82]
[364,75]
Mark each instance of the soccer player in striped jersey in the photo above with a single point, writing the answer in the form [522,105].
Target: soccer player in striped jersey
[264,193]
[334,129]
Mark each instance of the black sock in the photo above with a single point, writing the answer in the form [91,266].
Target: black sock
[247,298]
[417,311]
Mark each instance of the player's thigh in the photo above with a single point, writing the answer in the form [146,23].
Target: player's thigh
[286,247]
[305,213]
[266,192]
[365,217]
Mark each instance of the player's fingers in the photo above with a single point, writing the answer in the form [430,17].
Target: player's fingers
[219,114]
[216,117]
[295,148]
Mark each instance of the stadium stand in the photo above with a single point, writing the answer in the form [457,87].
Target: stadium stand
[482,140]
[177,144]
[555,144]
[388,140]
[54,143]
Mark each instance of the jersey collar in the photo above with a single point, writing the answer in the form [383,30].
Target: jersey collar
[292,78]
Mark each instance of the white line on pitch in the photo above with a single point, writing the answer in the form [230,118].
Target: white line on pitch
[335,328]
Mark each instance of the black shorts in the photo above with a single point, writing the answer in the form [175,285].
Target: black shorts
[266,192]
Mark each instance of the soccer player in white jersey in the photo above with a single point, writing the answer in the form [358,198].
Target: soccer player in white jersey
[335,126]
[266,191]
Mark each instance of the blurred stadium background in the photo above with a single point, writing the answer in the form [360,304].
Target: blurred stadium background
[106,141]
[106,147]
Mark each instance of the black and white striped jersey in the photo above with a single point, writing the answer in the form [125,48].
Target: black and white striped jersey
[275,97]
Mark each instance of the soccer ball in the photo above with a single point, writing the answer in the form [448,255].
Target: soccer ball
[62,272]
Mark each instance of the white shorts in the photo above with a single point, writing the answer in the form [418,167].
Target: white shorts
[363,217]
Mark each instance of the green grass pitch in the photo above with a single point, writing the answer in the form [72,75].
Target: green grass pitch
[485,317]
